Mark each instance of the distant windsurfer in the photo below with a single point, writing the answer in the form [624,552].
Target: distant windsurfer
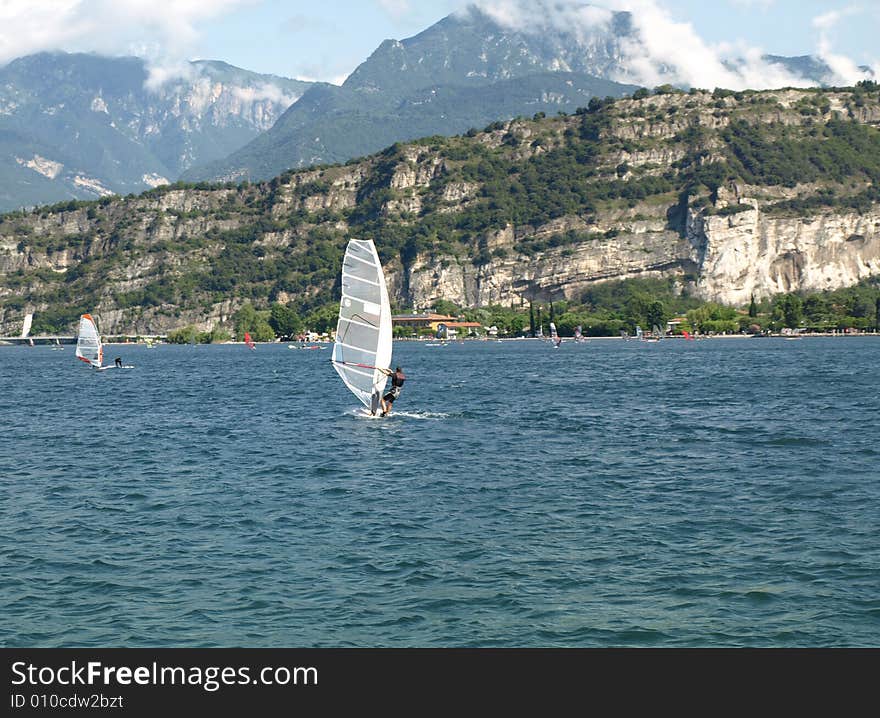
[397,379]
[118,362]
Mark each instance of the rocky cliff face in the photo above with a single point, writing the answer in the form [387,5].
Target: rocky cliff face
[723,259]
[525,210]
[749,253]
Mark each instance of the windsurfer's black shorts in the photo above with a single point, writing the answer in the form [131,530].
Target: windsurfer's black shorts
[392,395]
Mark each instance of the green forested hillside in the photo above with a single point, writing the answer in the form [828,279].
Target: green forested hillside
[510,196]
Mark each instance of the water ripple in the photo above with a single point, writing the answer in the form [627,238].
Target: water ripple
[719,493]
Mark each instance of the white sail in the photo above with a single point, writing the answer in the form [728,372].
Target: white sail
[553,334]
[88,342]
[363,333]
[26,327]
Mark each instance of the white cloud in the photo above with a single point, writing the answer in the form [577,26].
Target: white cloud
[113,27]
[827,20]
[749,4]
[666,50]
[395,8]
[539,15]
[265,91]
[843,69]
[311,76]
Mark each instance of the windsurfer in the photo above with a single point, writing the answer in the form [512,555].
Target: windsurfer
[397,379]
[118,362]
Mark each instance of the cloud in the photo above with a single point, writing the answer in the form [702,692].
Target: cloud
[111,27]
[843,69]
[827,20]
[264,91]
[749,4]
[665,50]
[395,8]
[542,15]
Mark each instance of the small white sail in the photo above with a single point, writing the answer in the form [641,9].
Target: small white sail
[363,333]
[88,342]
[26,327]
[553,334]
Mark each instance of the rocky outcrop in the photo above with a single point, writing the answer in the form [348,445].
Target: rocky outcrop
[750,253]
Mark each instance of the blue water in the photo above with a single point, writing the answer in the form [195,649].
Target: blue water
[714,493]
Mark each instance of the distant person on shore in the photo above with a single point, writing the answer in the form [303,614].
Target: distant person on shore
[397,379]
[118,362]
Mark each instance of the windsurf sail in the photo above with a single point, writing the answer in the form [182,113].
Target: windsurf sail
[363,333]
[248,341]
[638,332]
[88,342]
[687,335]
[553,333]
[26,327]
[659,333]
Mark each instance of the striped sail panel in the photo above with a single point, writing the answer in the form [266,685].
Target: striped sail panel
[88,342]
[363,332]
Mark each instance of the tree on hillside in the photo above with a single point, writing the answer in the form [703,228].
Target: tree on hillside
[284,320]
[248,319]
[656,314]
[442,306]
[790,309]
[753,307]
[636,308]
[532,319]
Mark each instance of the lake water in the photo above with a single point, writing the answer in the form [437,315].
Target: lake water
[710,493]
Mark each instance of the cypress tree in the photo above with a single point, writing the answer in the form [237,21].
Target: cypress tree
[753,308]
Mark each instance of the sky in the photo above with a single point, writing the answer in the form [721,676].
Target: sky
[327,40]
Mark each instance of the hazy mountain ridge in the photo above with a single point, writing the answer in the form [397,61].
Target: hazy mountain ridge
[388,97]
[392,96]
[82,126]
